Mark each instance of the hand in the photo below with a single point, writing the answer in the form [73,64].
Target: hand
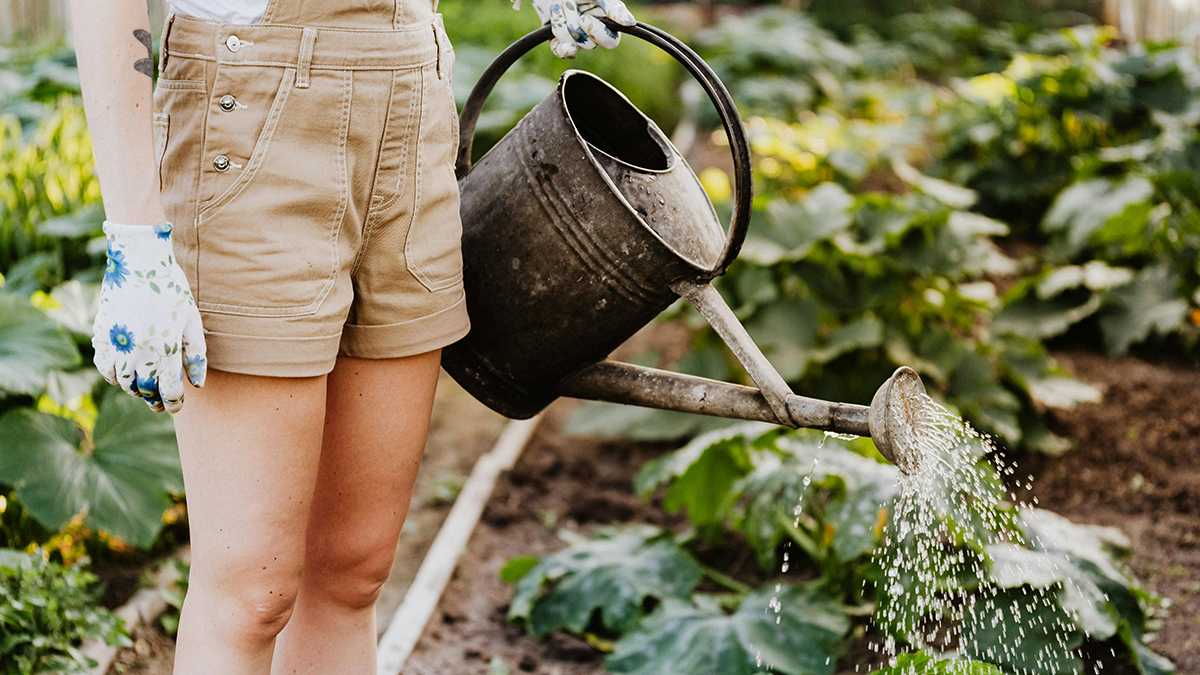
[147,332]
[576,23]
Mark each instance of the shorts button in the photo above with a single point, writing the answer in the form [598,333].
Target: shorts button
[221,162]
[227,102]
[233,43]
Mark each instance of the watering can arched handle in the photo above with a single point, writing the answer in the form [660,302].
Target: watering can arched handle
[691,62]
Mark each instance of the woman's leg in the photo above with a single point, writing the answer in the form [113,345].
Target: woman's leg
[250,448]
[376,421]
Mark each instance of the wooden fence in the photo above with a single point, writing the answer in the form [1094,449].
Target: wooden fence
[1156,19]
[23,21]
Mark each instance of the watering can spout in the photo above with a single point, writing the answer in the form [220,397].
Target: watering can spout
[891,420]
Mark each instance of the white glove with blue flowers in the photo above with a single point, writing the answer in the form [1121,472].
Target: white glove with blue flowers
[147,333]
[576,23]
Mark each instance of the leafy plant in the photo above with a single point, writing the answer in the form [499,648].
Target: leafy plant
[826,505]
[611,576]
[119,473]
[794,630]
[46,612]
[922,663]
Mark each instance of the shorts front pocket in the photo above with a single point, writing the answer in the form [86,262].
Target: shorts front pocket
[433,248]
[273,190]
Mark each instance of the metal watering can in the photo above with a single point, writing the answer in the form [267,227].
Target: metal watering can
[584,223]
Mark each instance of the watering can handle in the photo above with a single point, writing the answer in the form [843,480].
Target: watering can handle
[695,66]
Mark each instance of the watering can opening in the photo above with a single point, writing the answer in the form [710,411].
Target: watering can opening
[637,161]
[610,124]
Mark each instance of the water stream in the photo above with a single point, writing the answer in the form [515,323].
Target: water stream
[935,589]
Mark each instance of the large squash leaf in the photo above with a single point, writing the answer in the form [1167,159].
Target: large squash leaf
[845,498]
[31,347]
[120,476]
[1085,207]
[1149,304]
[795,631]
[922,663]
[1024,632]
[700,475]
[1074,567]
[612,574]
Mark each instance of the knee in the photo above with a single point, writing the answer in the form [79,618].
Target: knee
[351,576]
[251,606]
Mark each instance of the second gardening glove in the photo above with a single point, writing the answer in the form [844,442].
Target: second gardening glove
[576,23]
[147,334]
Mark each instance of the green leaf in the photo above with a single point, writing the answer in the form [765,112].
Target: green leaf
[1085,207]
[954,196]
[612,574]
[786,331]
[790,229]
[1035,317]
[31,347]
[86,221]
[1095,275]
[1149,305]
[73,306]
[846,495]
[981,398]
[702,473]
[922,663]
[1022,631]
[517,567]
[802,638]
[121,482]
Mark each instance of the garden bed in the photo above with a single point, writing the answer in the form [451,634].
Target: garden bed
[1134,467]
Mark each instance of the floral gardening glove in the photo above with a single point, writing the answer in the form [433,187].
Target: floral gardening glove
[147,331]
[576,23]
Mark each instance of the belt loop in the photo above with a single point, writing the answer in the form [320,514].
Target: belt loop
[308,40]
[162,44]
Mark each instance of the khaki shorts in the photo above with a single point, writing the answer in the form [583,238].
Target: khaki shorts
[309,174]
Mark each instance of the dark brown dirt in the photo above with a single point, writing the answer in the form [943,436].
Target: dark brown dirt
[1135,467]
[559,482]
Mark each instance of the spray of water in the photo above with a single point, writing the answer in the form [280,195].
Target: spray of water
[934,587]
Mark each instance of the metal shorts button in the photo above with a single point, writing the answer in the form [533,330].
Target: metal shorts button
[221,162]
[233,43]
[227,102]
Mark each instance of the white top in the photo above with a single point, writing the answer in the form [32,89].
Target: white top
[224,11]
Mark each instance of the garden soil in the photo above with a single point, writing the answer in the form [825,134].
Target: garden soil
[1135,466]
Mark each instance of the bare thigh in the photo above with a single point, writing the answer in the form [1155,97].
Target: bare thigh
[250,448]
[376,422]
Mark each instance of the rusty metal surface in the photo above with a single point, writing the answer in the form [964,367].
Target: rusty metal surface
[653,388]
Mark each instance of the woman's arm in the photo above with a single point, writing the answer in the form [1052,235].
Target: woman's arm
[112,44]
[147,333]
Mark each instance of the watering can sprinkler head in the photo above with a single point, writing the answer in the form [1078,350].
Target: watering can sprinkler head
[895,417]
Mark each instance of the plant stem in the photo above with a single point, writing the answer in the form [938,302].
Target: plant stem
[725,580]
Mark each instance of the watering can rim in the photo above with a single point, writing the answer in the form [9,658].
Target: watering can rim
[695,66]
[675,162]
[671,153]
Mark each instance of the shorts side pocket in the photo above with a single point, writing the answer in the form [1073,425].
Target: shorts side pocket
[161,128]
